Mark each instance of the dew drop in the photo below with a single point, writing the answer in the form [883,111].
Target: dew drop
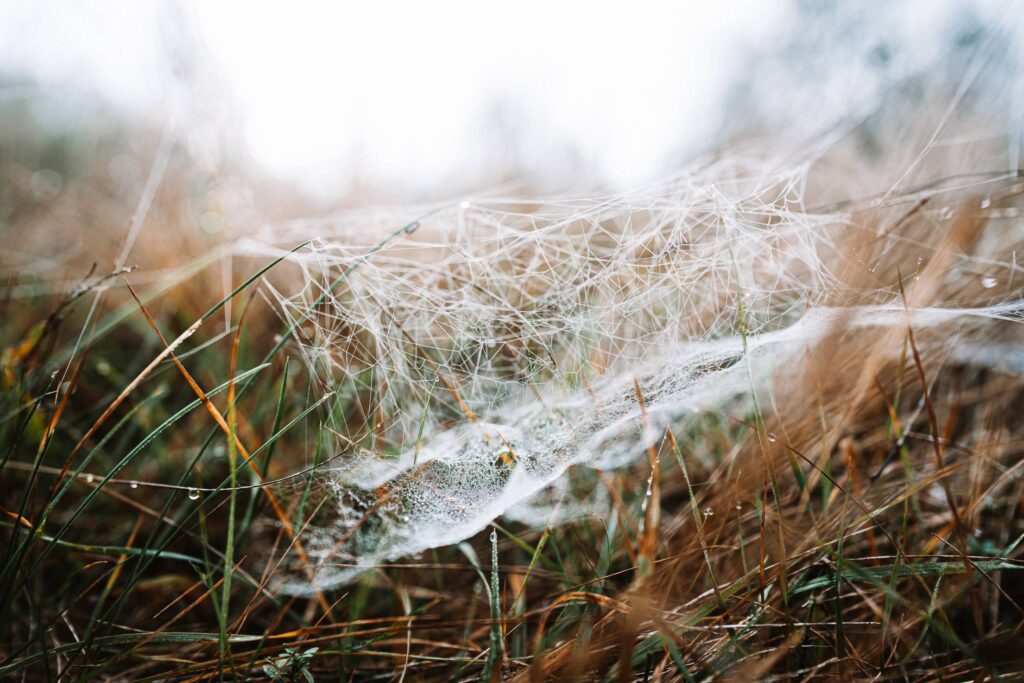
[986,202]
[211,222]
[988,282]
[771,439]
[89,478]
[134,485]
[193,494]
[708,512]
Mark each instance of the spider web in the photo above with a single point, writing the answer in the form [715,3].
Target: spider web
[500,341]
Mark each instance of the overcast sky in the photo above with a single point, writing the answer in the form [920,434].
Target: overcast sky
[421,94]
[409,92]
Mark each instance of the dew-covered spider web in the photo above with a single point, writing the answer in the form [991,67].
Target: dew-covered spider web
[493,344]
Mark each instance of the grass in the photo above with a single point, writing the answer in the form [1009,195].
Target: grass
[162,472]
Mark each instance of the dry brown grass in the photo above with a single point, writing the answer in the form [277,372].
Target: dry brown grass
[862,524]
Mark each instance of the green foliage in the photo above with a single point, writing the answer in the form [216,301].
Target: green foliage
[290,665]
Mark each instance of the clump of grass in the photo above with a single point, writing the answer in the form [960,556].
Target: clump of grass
[172,459]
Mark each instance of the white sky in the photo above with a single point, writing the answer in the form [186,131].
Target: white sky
[400,92]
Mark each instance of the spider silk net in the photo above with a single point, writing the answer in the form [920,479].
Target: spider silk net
[496,343]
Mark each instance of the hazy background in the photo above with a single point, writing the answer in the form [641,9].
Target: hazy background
[411,101]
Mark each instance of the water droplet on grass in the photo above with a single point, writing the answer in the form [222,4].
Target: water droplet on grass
[193,494]
[134,485]
[211,222]
[89,478]
[988,282]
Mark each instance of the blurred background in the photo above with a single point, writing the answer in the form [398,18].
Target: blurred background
[150,133]
[403,101]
